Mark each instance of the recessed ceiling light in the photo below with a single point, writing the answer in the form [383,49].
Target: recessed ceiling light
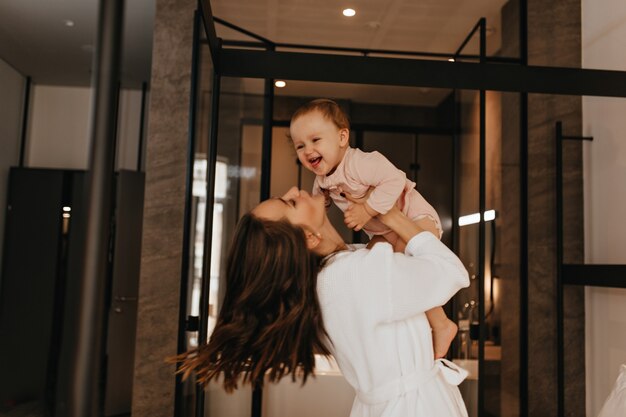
[349,12]
[451,59]
[280,84]
[68,23]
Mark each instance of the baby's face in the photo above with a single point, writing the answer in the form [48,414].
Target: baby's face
[319,143]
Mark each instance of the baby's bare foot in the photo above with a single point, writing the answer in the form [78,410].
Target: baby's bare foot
[442,338]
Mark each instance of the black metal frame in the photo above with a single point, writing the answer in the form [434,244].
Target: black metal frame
[421,73]
[482,192]
[523,254]
[488,74]
[25,114]
[142,121]
[208,221]
[184,270]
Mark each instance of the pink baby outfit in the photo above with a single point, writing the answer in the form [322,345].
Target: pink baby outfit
[358,171]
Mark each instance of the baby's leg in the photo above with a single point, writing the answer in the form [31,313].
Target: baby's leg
[444,331]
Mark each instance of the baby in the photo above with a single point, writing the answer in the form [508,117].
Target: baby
[320,132]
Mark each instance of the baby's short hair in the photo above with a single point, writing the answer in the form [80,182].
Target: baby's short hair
[329,109]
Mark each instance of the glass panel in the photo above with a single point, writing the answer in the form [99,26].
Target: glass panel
[465,350]
[204,92]
[501,283]
[427,159]
[237,190]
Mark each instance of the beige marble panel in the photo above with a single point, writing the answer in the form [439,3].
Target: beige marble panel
[157,324]
[554,40]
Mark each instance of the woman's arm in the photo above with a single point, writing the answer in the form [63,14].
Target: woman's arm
[431,273]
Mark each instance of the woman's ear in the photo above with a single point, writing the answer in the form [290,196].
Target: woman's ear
[344,137]
[312,239]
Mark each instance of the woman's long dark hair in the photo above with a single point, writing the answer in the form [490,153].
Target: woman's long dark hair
[270,321]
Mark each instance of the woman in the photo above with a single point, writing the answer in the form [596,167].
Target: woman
[294,288]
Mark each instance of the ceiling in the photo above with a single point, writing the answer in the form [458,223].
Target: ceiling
[438,26]
[37,42]
[408,25]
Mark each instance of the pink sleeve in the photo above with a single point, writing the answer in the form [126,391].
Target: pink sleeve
[373,169]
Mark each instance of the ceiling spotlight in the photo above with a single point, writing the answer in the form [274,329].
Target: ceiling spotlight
[68,23]
[451,59]
[280,84]
[349,12]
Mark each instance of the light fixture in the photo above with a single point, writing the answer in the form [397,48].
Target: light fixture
[280,84]
[67,209]
[68,23]
[349,12]
[66,215]
[451,59]
[475,218]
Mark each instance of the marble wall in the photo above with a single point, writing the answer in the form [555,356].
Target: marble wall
[554,39]
[509,242]
[166,159]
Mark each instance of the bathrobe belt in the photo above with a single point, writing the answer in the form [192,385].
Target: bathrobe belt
[451,372]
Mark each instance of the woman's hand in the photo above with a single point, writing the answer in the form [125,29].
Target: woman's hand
[359,212]
[356,216]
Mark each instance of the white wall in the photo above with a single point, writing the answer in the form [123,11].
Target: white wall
[604,43]
[12,86]
[59,127]
[58,130]
[128,127]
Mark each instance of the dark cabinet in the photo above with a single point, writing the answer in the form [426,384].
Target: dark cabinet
[39,289]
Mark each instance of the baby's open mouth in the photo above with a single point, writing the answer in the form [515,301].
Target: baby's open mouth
[315,161]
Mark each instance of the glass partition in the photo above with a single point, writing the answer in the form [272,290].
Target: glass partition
[187,400]
[492,174]
[465,303]
[237,190]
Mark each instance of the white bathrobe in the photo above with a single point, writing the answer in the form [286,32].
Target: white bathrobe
[373,304]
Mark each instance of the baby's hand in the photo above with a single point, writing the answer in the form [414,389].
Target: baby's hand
[356,216]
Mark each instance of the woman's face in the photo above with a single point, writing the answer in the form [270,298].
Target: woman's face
[296,206]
